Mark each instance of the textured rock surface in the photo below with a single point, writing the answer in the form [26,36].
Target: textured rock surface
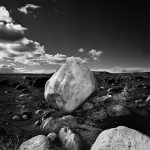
[70,140]
[121,138]
[54,125]
[39,142]
[70,86]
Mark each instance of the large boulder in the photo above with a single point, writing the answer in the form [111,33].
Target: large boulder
[70,86]
[39,142]
[121,138]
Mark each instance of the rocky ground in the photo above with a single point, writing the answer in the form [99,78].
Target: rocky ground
[119,100]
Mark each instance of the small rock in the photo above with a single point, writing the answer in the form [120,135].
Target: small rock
[24,117]
[16,118]
[87,106]
[52,136]
[39,111]
[22,95]
[70,140]
[54,125]
[39,142]
[121,138]
[117,110]
[148,99]
[37,123]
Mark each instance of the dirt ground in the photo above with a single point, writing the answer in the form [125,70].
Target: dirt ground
[92,116]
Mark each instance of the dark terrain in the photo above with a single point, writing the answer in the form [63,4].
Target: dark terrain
[23,94]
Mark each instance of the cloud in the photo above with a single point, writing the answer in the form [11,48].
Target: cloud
[83,60]
[28,8]
[11,32]
[81,50]
[129,70]
[6,68]
[123,70]
[29,52]
[4,15]
[15,47]
[95,54]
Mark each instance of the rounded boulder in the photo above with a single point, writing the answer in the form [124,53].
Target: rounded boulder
[70,86]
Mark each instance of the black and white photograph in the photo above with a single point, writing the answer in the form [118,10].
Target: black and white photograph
[74,75]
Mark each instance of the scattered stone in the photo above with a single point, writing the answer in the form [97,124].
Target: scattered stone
[6,92]
[70,86]
[70,140]
[54,125]
[39,142]
[24,117]
[23,95]
[121,138]
[52,136]
[39,111]
[117,110]
[25,112]
[37,123]
[148,99]
[101,100]
[87,106]
[99,115]
[16,118]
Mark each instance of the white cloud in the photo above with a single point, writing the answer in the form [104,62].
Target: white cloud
[95,54]
[29,52]
[123,70]
[14,47]
[28,8]
[81,50]
[6,68]
[4,15]
[83,60]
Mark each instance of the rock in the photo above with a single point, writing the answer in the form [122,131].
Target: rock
[70,86]
[100,100]
[52,136]
[39,142]
[54,125]
[117,110]
[23,95]
[24,117]
[87,106]
[37,123]
[121,138]
[70,140]
[148,99]
[16,118]
[99,115]
[39,111]
[116,105]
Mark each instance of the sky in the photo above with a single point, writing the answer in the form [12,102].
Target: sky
[38,36]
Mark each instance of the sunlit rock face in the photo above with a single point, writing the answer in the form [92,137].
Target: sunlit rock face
[70,86]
